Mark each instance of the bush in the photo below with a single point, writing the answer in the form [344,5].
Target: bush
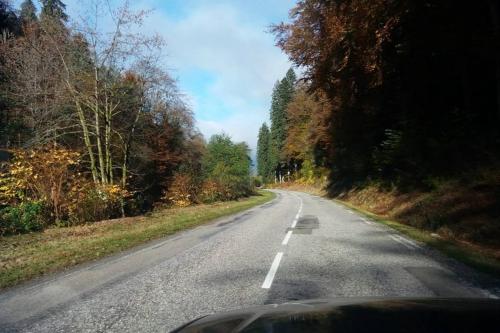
[212,191]
[182,191]
[44,174]
[257,181]
[26,217]
[95,203]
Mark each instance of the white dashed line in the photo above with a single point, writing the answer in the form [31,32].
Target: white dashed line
[294,223]
[272,271]
[287,237]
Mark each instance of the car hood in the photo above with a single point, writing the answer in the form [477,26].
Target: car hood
[358,315]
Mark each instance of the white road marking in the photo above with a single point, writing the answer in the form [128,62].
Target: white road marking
[287,237]
[300,208]
[366,221]
[294,223]
[272,271]
[401,242]
[409,242]
[488,294]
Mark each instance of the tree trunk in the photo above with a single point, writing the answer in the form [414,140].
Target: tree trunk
[86,140]
[107,140]
[97,126]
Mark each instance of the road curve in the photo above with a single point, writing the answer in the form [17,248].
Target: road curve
[298,246]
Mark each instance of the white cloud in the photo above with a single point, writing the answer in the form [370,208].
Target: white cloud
[241,56]
[232,126]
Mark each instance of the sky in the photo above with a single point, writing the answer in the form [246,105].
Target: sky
[223,57]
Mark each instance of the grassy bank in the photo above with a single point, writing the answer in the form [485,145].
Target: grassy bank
[23,257]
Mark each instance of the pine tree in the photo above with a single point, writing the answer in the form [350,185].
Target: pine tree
[54,9]
[28,11]
[282,95]
[263,153]
[9,23]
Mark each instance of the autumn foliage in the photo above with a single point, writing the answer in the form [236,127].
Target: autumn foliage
[407,90]
[51,177]
[94,125]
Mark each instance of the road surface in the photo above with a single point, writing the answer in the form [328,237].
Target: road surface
[296,247]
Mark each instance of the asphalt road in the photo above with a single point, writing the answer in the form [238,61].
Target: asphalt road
[296,247]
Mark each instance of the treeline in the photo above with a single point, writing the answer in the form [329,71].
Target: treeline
[392,91]
[92,126]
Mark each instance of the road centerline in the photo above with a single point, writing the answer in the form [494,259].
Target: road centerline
[287,237]
[272,271]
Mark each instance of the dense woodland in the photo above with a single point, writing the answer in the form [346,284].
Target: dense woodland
[397,92]
[93,127]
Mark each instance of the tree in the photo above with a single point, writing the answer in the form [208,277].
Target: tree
[9,28]
[37,113]
[282,95]
[263,153]
[54,10]
[94,69]
[227,164]
[405,102]
[298,145]
[9,23]
[28,11]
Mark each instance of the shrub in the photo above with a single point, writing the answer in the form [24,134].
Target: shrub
[257,181]
[94,203]
[44,174]
[182,192]
[212,191]
[25,217]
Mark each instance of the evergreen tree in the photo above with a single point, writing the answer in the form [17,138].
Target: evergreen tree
[9,23]
[28,11]
[282,95]
[264,168]
[54,9]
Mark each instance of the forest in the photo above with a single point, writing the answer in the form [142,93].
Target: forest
[390,90]
[93,127]
[404,95]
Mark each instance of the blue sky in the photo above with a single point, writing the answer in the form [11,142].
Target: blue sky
[225,61]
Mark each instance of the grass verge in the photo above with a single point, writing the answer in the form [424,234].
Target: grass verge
[469,254]
[24,257]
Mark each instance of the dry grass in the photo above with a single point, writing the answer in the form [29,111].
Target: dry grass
[23,257]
